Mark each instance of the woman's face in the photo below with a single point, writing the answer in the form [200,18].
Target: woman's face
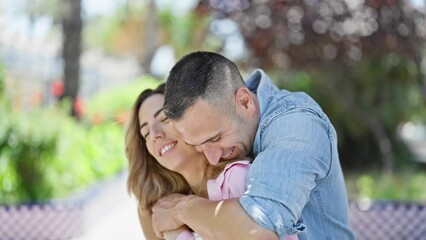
[162,140]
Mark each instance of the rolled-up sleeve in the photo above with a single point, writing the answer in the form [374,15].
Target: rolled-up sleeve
[294,152]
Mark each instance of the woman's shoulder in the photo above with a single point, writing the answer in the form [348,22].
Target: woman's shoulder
[245,163]
[230,182]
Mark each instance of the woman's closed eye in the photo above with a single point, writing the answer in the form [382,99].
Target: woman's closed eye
[164,119]
[145,135]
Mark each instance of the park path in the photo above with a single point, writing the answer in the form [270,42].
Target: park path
[112,214]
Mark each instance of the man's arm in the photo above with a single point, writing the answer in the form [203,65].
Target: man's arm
[210,219]
[295,153]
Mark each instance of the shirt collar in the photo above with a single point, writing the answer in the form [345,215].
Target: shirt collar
[260,84]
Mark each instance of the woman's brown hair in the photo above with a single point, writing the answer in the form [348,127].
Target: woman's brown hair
[148,180]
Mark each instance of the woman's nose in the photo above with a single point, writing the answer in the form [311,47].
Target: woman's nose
[157,133]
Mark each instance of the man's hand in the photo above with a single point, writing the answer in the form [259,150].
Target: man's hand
[165,213]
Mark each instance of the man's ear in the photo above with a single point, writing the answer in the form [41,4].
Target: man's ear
[244,100]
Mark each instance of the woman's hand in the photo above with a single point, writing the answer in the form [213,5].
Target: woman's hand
[165,213]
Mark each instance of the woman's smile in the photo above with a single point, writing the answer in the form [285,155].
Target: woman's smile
[167,148]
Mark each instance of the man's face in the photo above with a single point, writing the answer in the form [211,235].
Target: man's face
[217,135]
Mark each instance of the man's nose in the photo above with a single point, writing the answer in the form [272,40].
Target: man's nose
[212,154]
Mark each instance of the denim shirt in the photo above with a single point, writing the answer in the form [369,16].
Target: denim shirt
[296,184]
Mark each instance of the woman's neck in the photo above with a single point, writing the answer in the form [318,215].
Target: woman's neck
[196,178]
[199,172]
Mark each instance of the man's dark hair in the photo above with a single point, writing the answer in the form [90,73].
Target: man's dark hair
[201,75]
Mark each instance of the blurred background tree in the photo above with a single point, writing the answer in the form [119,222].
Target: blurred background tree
[363,61]
[66,16]
[72,26]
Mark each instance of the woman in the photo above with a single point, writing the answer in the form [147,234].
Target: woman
[160,163]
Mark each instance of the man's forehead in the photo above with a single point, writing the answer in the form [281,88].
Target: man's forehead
[200,111]
[189,126]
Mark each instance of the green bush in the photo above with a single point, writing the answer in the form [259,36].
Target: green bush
[366,102]
[2,79]
[407,185]
[46,154]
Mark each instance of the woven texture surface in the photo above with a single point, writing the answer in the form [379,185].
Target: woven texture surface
[388,220]
[46,221]
[378,221]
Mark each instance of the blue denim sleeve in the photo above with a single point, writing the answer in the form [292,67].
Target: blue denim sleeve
[294,153]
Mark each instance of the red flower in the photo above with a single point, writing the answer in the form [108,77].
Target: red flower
[79,106]
[57,88]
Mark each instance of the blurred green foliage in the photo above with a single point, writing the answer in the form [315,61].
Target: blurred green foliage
[46,154]
[366,102]
[407,185]
[187,32]
[114,102]
[2,80]
[102,32]
[125,30]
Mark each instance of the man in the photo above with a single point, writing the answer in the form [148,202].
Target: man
[295,185]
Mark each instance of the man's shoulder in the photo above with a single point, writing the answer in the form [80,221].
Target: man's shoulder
[284,102]
[290,113]
[273,99]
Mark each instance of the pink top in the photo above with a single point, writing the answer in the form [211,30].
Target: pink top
[231,183]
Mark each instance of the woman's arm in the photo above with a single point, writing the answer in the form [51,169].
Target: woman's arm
[205,217]
[146,224]
[148,231]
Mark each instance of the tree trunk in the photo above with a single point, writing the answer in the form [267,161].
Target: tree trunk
[71,49]
[150,40]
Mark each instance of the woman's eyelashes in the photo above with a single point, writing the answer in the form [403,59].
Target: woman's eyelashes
[145,135]
[162,120]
